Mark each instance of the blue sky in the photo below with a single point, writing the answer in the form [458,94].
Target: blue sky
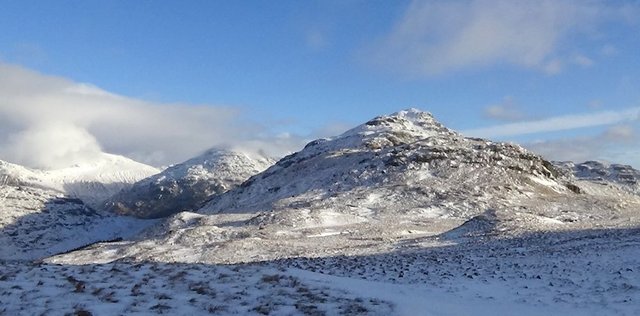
[295,70]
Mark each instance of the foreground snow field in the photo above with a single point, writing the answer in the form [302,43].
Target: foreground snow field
[570,273]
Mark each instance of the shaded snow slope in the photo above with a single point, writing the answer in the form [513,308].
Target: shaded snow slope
[37,223]
[187,185]
[48,212]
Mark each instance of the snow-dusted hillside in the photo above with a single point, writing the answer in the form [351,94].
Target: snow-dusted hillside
[566,273]
[93,182]
[48,212]
[37,223]
[406,163]
[398,216]
[187,185]
[393,179]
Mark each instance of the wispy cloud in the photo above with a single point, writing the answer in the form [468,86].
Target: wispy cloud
[582,60]
[559,123]
[50,122]
[619,144]
[438,36]
[507,110]
[316,40]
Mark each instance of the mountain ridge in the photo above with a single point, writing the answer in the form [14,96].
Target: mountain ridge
[396,181]
[188,184]
[93,182]
[406,148]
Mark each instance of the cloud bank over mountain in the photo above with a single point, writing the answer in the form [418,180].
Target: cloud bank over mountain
[51,122]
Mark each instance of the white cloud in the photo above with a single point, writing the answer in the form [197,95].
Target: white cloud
[621,133]
[51,145]
[50,122]
[437,36]
[619,144]
[560,123]
[507,110]
[553,67]
[582,60]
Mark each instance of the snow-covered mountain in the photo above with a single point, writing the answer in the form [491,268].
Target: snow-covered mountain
[93,182]
[48,212]
[39,222]
[604,173]
[398,216]
[399,164]
[187,185]
[378,187]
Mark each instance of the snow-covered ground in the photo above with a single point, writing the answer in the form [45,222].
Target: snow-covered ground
[173,289]
[569,273]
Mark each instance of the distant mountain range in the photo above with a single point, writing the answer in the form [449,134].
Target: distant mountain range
[392,174]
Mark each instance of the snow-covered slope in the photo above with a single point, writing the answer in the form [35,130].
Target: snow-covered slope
[403,163]
[37,223]
[93,182]
[565,273]
[187,185]
[48,212]
[399,216]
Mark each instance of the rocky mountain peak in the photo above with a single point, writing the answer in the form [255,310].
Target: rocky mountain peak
[406,160]
[402,127]
[186,185]
[413,122]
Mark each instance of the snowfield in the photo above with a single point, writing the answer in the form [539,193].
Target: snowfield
[570,273]
[398,216]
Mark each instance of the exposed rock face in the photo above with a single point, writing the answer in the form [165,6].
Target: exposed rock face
[187,185]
